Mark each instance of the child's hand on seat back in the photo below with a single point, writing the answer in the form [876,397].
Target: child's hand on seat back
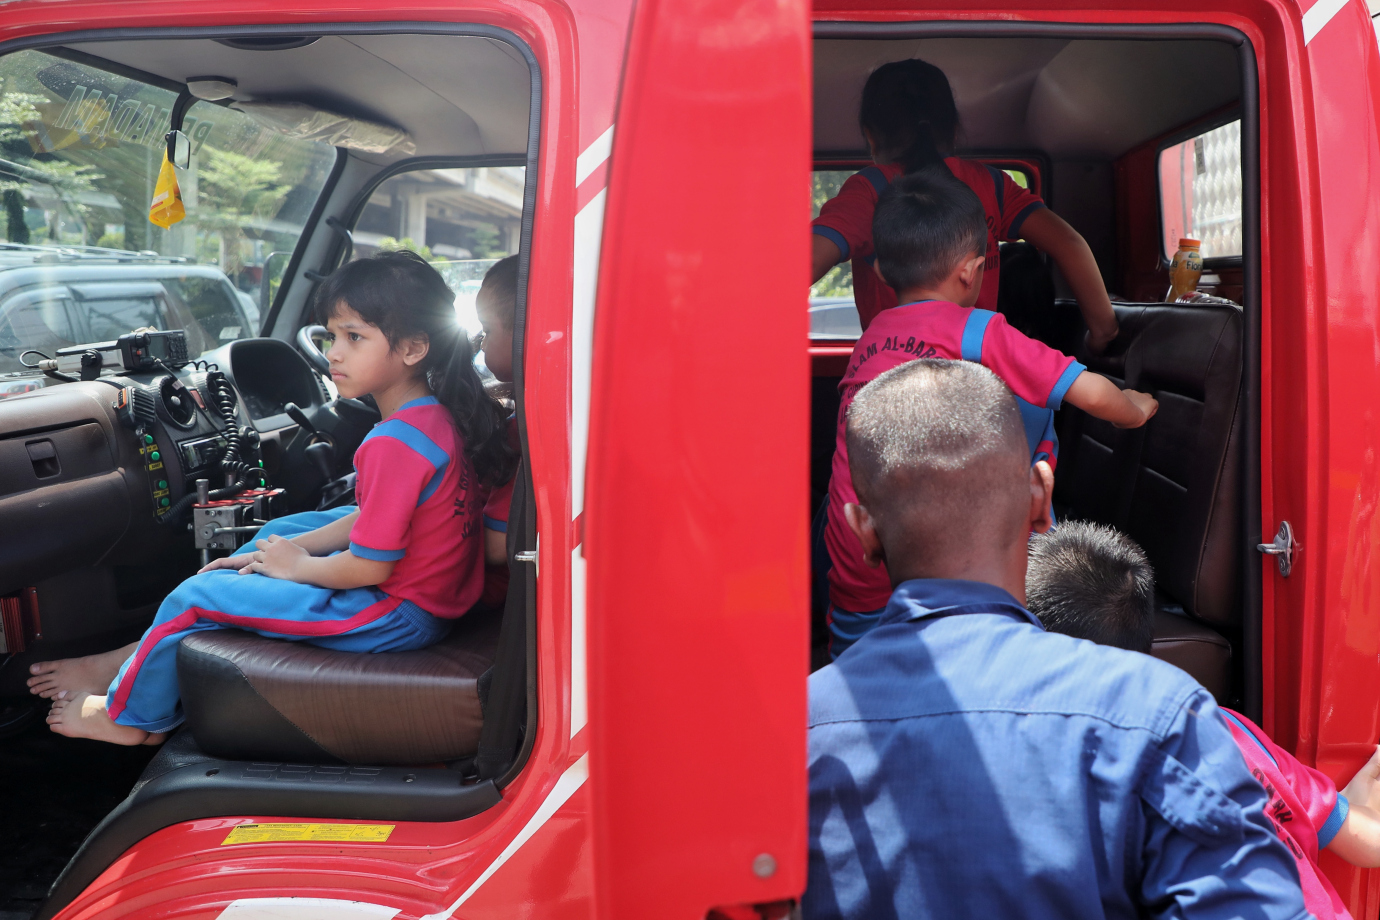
[1100,398]
[1147,404]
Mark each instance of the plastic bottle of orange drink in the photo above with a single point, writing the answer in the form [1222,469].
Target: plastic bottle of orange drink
[1185,270]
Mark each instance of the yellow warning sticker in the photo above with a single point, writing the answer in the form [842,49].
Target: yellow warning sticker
[290,833]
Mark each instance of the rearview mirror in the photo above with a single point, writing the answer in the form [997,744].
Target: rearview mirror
[179,149]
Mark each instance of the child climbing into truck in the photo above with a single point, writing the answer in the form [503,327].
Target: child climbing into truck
[1092,582]
[907,113]
[390,576]
[931,238]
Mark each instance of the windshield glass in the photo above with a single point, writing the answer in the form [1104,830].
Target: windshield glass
[80,151]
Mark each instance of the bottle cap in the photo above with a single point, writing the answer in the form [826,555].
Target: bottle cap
[1186,243]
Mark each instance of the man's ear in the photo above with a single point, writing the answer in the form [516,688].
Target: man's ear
[877,270]
[970,272]
[415,349]
[862,524]
[1041,493]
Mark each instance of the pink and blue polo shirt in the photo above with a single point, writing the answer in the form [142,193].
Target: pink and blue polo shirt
[1305,808]
[420,507]
[1038,375]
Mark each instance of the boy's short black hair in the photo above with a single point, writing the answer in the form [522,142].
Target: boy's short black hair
[500,287]
[925,223]
[938,455]
[1092,582]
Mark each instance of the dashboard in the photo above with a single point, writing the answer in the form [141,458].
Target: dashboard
[79,486]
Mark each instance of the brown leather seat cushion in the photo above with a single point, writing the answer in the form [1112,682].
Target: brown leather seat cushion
[246,697]
[1200,651]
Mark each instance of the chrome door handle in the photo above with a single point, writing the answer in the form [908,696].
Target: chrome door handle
[1282,548]
[525,557]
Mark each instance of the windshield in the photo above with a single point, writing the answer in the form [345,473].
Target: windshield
[80,151]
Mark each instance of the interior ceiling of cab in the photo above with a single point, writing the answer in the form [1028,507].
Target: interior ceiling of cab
[455,95]
[1085,98]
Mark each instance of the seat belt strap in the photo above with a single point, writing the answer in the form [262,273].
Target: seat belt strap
[876,177]
[505,703]
[1000,190]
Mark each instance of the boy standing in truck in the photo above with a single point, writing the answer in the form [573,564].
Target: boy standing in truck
[930,236]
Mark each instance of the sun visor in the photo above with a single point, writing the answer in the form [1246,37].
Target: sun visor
[306,122]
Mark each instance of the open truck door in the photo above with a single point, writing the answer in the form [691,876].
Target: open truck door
[695,531]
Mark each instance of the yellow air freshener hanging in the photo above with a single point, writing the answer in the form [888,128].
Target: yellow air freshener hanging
[166,208]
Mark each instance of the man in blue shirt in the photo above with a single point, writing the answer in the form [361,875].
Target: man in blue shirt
[964,762]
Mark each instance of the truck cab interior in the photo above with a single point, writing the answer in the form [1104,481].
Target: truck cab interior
[1136,137]
[305,151]
[309,149]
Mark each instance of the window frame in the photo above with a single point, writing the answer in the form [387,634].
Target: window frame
[1198,128]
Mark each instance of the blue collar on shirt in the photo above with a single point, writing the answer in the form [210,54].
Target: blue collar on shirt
[942,597]
[419,401]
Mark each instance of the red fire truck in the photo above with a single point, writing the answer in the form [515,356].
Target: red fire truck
[626,736]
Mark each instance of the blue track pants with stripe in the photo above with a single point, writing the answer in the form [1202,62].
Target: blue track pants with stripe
[144,694]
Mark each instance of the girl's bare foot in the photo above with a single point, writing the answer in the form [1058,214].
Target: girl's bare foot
[84,716]
[91,674]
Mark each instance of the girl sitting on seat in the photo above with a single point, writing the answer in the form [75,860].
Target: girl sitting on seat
[392,575]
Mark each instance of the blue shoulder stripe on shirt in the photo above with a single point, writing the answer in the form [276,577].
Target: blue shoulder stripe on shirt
[1000,188]
[878,178]
[833,236]
[1241,725]
[420,401]
[413,437]
[1328,832]
[495,524]
[378,555]
[1017,222]
[974,331]
[1061,386]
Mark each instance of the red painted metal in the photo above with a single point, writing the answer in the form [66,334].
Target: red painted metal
[695,517]
[696,529]
[829,360]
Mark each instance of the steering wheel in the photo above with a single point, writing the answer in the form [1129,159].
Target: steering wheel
[306,344]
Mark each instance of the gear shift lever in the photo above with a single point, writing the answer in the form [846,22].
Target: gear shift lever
[300,417]
[320,451]
[322,454]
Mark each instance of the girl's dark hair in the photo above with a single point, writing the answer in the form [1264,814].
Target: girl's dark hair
[908,107]
[405,298]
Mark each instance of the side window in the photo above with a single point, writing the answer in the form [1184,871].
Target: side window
[461,220]
[40,320]
[1019,176]
[838,281]
[1200,192]
[832,313]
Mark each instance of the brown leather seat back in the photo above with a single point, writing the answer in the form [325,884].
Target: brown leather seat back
[1184,507]
[1097,460]
[246,697]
